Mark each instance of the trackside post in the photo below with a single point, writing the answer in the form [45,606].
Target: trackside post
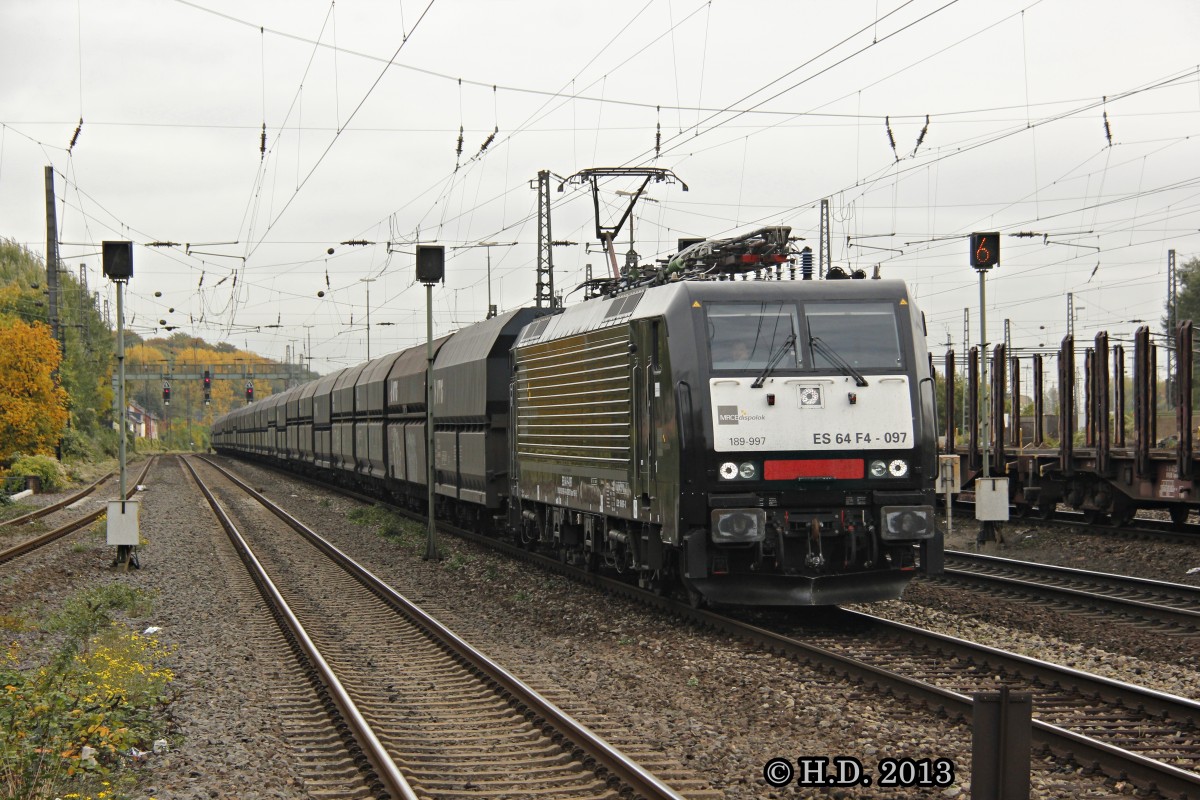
[1001,736]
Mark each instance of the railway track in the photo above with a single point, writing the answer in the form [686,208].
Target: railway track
[1169,608]
[43,539]
[1126,732]
[1118,728]
[52,507]
[450,722]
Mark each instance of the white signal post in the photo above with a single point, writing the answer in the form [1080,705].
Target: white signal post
[431,269]
[949,482]
[991,494]
[123,528]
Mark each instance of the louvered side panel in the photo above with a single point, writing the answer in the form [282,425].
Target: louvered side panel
[573,399]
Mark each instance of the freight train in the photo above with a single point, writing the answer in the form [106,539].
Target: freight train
[752,441]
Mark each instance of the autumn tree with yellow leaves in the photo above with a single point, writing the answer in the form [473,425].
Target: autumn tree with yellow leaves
[33,408]
[33,412]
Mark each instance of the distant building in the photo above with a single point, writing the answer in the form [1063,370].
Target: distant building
[142,423]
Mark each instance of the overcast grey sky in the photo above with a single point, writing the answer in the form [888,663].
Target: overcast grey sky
[764,108]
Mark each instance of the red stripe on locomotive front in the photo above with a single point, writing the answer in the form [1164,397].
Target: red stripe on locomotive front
[813,468]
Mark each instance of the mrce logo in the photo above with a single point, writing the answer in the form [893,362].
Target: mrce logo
[732,415]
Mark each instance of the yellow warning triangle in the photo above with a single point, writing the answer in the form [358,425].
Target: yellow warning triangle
[903,302]
[695,304]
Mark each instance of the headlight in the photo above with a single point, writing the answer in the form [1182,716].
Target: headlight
[729,471]
[898,468]
[878,469]
[907,523]
[748,470]
[738,525]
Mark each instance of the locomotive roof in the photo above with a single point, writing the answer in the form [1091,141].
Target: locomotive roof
[656,301]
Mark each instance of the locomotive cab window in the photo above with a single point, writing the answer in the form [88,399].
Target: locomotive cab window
[746,336]
[865,335]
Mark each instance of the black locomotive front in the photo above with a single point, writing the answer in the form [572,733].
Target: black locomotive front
[813,472]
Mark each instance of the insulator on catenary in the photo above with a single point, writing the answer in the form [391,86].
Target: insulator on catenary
[75,136]
[262,145]
[921,136]
[806,264]
[488,141]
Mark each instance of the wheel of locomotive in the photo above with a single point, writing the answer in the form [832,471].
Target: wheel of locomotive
[1094,516]
[1046,510]
[1021,510]
[1179,515]
[694,597]
[591,562]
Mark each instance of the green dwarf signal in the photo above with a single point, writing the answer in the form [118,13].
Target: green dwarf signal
[985,250]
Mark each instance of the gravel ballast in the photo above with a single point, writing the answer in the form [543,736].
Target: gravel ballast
[718,707]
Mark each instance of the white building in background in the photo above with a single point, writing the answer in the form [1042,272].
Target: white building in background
[141,422]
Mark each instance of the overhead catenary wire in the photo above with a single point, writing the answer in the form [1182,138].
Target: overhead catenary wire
[1033,131]
[464,211]
[336,137]
[810,60]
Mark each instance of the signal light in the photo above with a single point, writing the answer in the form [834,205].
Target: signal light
[117,260]
[249,392]
[985,250]
[207,387]
[166,394]
[431,263]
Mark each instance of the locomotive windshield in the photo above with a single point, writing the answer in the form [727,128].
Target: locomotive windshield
[746,335]
[864,335]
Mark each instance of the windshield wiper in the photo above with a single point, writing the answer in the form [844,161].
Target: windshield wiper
[827,351]
[790,341]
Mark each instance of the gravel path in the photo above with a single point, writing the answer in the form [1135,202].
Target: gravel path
[716,706]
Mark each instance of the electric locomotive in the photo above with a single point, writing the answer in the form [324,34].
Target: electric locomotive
[748,441]
[761,442]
